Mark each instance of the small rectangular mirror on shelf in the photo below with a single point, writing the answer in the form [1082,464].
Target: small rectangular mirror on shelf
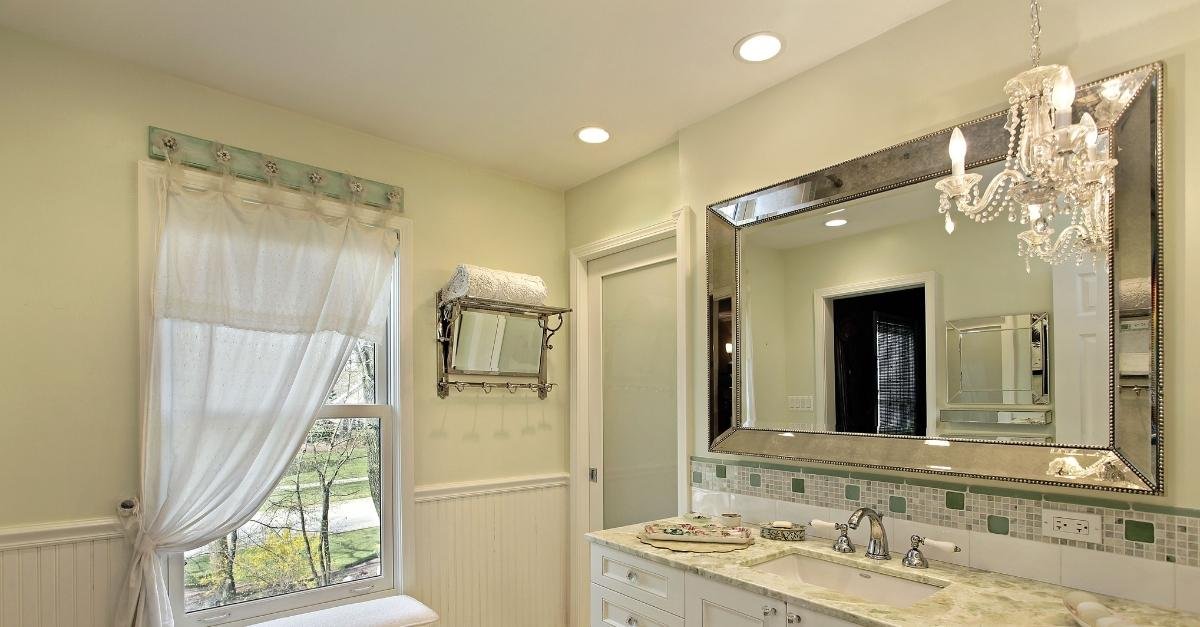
[850,323]
[485,340]
[998,360]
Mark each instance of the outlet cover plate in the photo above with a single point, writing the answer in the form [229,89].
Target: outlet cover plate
[1078,526]
[800,403]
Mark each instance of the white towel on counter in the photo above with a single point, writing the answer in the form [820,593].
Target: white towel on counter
[510,287]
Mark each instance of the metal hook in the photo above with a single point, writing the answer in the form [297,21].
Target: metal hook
[461,386]
[512,388]
[487,387]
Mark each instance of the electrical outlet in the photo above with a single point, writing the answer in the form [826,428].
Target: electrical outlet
[1073,526]
[800,403]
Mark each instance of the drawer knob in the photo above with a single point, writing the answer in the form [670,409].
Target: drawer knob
[631,621]
[632,576]
[793,619]
[769,611]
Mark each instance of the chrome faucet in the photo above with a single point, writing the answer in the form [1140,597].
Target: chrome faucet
[877,546]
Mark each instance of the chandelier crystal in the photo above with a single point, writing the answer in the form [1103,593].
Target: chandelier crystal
[1058,178]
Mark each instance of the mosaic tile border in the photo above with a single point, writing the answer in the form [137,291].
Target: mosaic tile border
[1156,532]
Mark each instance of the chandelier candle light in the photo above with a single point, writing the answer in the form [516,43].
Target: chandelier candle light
[1057,171]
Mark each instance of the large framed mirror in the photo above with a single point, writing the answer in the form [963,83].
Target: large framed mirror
[846,326]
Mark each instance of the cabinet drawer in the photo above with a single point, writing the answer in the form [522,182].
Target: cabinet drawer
[613,609]
[654,584]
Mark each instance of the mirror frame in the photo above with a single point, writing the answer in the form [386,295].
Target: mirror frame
[915,161]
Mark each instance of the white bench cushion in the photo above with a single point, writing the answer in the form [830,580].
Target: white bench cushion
[397,611]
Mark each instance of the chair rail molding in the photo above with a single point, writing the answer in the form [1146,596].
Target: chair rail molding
[62,532]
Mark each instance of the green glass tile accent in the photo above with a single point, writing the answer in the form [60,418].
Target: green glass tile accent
[697,476]
[852,492]
[940,485]
[1008,492]
[1088,501]
[898,504]
[998,524]
[956,500]
[797,485]
[755,480]
[1150,508]
[1139,531]
[721,470]
[828,472]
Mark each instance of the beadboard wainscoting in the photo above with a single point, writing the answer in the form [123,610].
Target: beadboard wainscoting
[61,575]
[493,552]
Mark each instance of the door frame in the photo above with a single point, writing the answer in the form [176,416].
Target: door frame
[678,226]
[823,341]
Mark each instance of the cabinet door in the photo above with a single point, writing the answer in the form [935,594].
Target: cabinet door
[808,618]
[712,604]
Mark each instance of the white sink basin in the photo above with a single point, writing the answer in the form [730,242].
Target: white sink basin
[867,585]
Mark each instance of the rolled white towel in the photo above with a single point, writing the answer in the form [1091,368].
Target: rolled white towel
[511,287]
[1135,293]
[1091,611]
[1075,597]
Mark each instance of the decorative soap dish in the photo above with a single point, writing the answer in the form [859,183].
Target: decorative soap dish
[773,531]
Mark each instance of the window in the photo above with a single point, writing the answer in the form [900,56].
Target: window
[326,531]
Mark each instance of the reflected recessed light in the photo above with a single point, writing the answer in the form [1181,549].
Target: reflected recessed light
[835,211]
[788,434]
[938,442]
[758,47]
[836,222]
[931,467]
[592,135]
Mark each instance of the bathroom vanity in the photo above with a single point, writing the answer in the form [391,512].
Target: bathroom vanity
[772,583]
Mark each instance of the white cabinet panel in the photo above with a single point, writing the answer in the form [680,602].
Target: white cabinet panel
[808,618]
[613,609]
[712,604]
[654,584]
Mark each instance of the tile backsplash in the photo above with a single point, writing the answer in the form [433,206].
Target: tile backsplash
[1151,532]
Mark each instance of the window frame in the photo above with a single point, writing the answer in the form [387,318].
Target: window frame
[394,380]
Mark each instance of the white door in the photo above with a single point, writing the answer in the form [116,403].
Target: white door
[632,381]
[1079,363]
[712,604]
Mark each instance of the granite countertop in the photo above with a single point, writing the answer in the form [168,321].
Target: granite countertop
[968,596]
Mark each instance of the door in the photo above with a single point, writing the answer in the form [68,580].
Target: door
[1079,362]
[879,362]
[632,416]
[712,604]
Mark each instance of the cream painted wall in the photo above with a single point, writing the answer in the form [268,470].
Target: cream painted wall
[638,193]
[993,282]
[944,67]
[72,128]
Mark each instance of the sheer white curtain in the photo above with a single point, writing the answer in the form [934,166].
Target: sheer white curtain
[255,307]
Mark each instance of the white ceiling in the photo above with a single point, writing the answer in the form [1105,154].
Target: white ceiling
[499,83]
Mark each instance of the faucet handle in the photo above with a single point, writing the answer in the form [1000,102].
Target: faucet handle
[940,545]
[914,558]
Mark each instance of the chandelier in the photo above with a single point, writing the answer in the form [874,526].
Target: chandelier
[1057,178]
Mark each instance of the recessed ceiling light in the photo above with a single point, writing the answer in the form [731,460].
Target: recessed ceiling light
[592,135]
[758,47]
[836,222]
